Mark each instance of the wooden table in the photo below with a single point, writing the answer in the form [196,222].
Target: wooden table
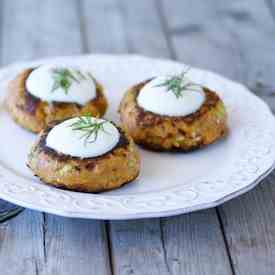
[235,38]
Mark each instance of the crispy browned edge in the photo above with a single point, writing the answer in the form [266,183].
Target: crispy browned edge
[122,143]
[88,163]
[148,119]
[34,114]
[154,119]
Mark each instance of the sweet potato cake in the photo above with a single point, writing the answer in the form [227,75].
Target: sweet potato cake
[172,113]
[40,95]
[84,154]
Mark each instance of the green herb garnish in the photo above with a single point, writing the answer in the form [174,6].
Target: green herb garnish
[179,83]
[89,128]
[63,78]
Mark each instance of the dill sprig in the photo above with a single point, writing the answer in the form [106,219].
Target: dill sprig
[63,78]
[89,128]
[179,83]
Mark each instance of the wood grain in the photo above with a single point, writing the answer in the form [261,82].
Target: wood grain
[36,243]
[102,27]
[143,28]
[21,249]
[32,30]
[140,246]
[235,38]
[249,227]
[75,245]
[194,244]
[137,247]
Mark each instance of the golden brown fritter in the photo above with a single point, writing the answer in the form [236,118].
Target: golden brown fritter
[111,170]
[34,114]
[173,133]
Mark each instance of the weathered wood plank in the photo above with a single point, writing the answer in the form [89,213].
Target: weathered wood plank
[21,245]
[173,249]
[195,245]
[271,6]
[256,44]
[141,247]
[137,247]
[32,30]
[199,38]
[235,39]
[74,245]
[36,243]
[103,26]
[143,27]
[249,226]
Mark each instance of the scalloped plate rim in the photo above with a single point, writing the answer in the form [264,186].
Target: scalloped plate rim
[145,214]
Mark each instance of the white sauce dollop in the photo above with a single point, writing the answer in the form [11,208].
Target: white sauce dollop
[63,139]
[157,99]
[41,81]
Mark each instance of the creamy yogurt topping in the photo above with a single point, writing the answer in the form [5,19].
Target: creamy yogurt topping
[52,83]
[155,97]
[66,139]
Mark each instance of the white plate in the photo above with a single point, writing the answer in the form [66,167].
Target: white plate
[169,184]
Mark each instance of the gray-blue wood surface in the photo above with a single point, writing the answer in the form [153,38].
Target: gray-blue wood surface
[235,38]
